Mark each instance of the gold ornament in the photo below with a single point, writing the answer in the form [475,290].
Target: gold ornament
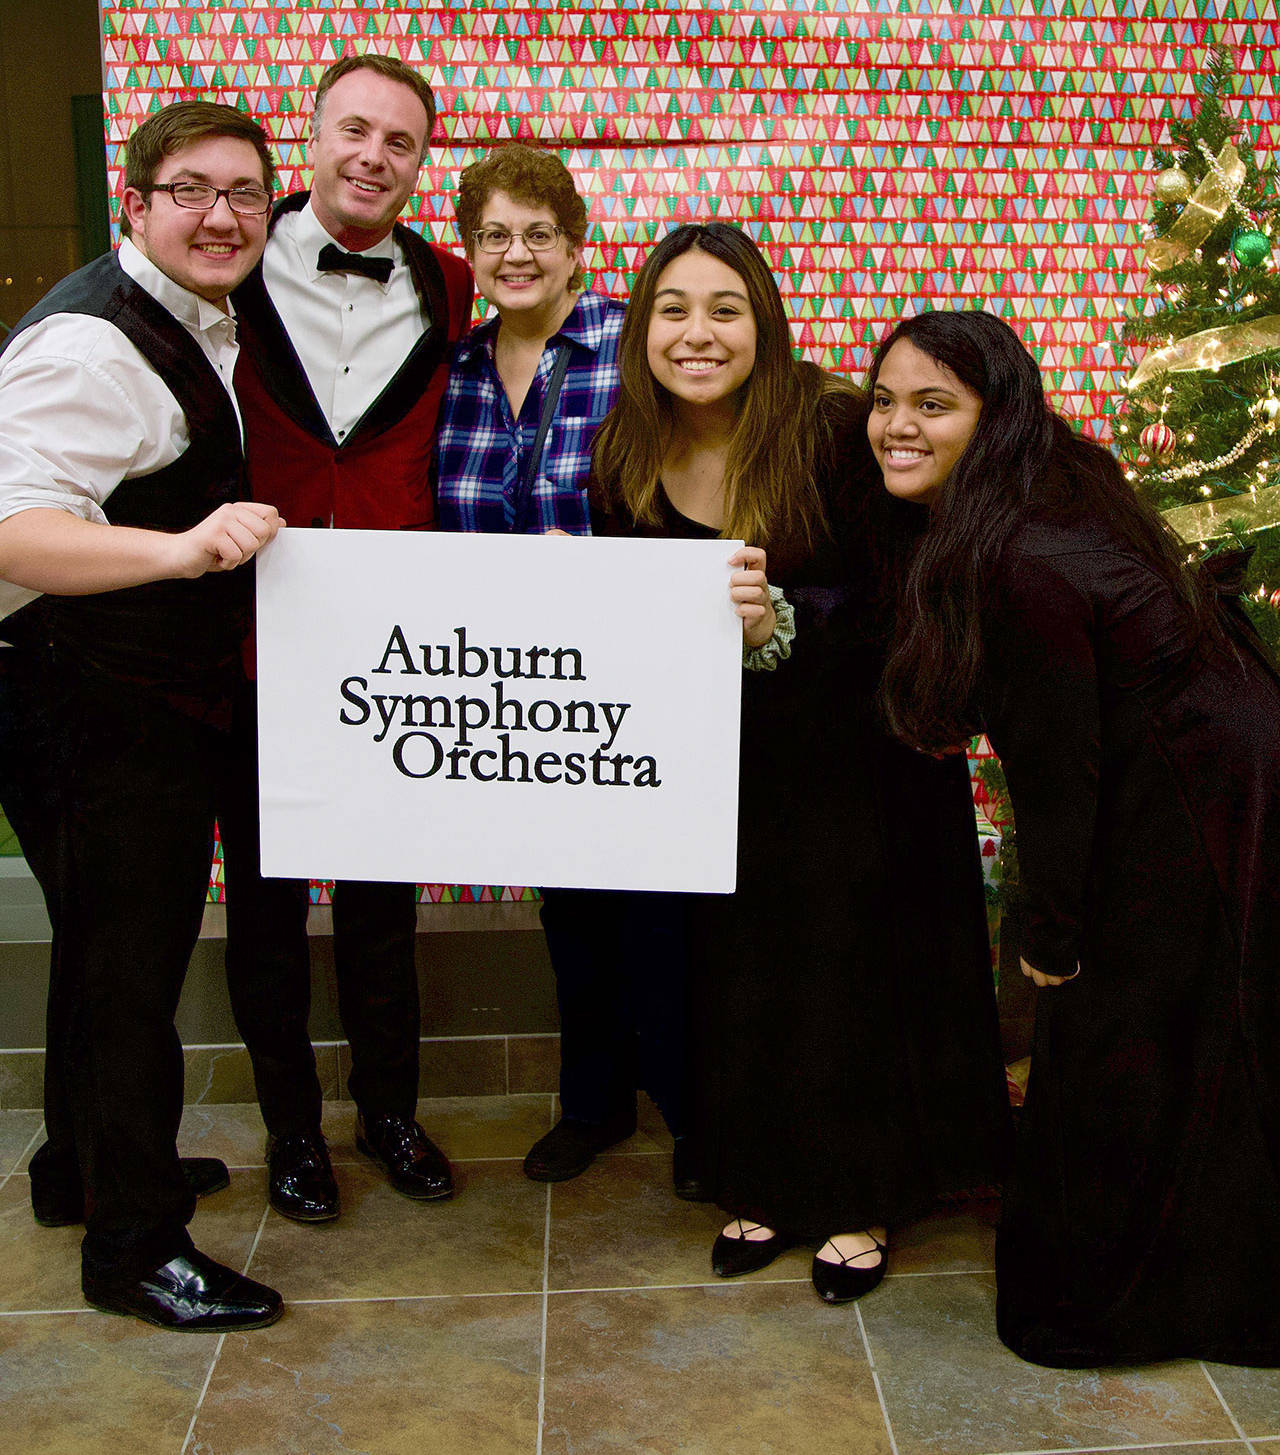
[1205,208]
[1173,185]
[1270,407]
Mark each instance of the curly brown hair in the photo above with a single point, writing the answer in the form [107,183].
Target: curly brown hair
[529,174]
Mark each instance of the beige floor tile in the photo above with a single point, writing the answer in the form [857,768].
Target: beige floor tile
[1252,1395]
[488,1238]
[738,1370]
[1225,1447]
[17,1134]
[91,1383]
[432,1377]
[620,1225]
[485,1126]
[951,1387]
[953,1239]
[234,1131]
[41,1266]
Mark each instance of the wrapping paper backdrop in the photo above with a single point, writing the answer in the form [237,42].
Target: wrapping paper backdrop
[886,155]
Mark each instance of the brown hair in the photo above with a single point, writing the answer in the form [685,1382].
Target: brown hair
[532,175]
[179,125]
[393,69]
[783,428]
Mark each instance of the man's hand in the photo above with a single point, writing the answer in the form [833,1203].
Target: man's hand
[232,535]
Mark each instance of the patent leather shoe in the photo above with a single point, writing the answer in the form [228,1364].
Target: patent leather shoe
[57,1192]
[414,1165]
[190,1292]
[842,1282]
[571,1146]
[732,1257]
[300,1181]
[685,1181]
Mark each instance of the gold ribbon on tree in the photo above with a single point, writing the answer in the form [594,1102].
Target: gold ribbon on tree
[1205,209]
[1210,520]
[1213,348]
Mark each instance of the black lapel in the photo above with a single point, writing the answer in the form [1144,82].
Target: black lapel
[281,369]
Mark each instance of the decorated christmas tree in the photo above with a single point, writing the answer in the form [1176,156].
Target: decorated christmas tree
[1200,435]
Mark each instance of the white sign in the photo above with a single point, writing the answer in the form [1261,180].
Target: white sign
[487,709]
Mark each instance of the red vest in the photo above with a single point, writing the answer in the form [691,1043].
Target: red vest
[378,478]
[376,481]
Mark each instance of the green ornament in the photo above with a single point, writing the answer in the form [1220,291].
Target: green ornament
[1250,247]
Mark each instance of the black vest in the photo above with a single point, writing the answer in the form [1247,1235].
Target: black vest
[180,638]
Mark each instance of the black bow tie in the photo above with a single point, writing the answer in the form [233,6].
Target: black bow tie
[333,260]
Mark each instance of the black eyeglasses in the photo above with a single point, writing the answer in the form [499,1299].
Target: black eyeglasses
[201,196]
[539,238]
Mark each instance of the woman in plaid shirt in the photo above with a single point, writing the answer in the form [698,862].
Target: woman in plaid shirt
[528,389]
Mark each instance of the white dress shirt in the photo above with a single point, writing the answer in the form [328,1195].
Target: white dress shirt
[81,409]
[351,333]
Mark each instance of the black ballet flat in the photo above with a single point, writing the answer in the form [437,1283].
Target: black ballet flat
[732,1257]
[841,1283]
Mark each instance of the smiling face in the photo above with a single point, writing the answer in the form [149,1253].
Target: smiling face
[922,419]
[701,343]
[519,280]
[366,148]
[212,252]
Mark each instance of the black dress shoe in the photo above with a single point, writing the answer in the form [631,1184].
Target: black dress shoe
[57,1193]
[190,1292]
[684,1177]
[300,1183]
[841,1282]
[413,1163]
[570,1147]
[732,1257]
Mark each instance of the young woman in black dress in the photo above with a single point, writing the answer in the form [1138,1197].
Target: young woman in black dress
[845,1060]
[1138,721]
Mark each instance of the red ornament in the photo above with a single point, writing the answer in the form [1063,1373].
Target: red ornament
[1274,599]
[1158,438]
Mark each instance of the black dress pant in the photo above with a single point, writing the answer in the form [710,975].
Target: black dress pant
[119,834]
[620,965]
[269,968]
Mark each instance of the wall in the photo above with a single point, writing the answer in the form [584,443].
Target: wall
[887,156]
[48,54]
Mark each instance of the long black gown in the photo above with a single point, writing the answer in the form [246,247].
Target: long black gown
[1143,1220]
[844,1049]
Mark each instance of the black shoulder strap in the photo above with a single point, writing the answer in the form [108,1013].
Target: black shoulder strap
[549,401]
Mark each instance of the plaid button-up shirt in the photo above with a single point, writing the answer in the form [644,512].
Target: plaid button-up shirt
[482,451]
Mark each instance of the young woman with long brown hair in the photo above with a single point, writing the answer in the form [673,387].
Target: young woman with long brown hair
[1138,721]
[831,1095]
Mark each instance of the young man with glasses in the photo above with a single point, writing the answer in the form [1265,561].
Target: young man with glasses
[122,523]
[346,331]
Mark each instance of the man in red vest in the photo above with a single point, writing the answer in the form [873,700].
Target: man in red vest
[345,331]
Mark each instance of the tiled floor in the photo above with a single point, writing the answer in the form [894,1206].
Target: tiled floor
[574,1319]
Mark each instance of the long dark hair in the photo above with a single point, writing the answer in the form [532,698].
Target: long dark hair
[783,426]
[1022,458]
